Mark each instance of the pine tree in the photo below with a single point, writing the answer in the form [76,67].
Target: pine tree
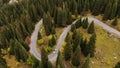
[83,46]
[47,22]
[24,44]
[74,34]
[39,36]
[78,23]
[59,16]
[91,45]
[53,30]
[85,23]
[50,43]
[59,62]
[107,12]
[67,51]
[69,18]
[73,28]
[114,9]
[19,52]
[91,28]
[50,64]
[68,38]
[76,41]
[73,7]
[115,22]
[76,57]
[53,40]
[86,63]
[44,58]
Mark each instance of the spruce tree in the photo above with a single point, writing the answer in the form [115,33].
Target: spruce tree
[76,41]
[24,44]
[53,40]
[85,23]
[107,11]
[39,36]
[59,16]
[73,28]
[69,18]
[20,52]
[68,51]
[50,43]
[114,9]
[91,45]
[91,28]
[76,57]
[59,62]
[83,46]
[53,30]
[44,58]
[78,23]
[68,38]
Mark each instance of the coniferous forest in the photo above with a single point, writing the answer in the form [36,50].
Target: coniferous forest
[67,37]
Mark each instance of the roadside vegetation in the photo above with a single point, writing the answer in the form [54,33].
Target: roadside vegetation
[17,22]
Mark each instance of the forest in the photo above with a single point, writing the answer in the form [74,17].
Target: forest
[18,20]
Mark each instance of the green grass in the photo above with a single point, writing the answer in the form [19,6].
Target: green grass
[106,49]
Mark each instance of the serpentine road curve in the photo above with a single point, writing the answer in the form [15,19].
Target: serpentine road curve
[53,56]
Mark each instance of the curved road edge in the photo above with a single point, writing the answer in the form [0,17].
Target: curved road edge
[33,44]
[104,26]
[53,56]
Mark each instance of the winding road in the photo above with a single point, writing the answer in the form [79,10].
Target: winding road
[53,56]
[33,44]
[104,26]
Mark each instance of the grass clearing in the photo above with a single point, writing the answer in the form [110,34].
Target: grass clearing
[107,48]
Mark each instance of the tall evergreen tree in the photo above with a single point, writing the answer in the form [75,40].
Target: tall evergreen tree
[39,36]
[91,28]
[68,51]
[78,23]
[53,30]
[114,9]
[76,57]
[69,18]
[91,45]
[19,52]
[76,41]
[53,40]
[85,23]
[107,11]
[44,58]
[59,62]
[73,28]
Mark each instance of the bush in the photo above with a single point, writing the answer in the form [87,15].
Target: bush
[41,41]
[73,17]
[49,49]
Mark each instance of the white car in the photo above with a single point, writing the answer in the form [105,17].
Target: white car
[54,52]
